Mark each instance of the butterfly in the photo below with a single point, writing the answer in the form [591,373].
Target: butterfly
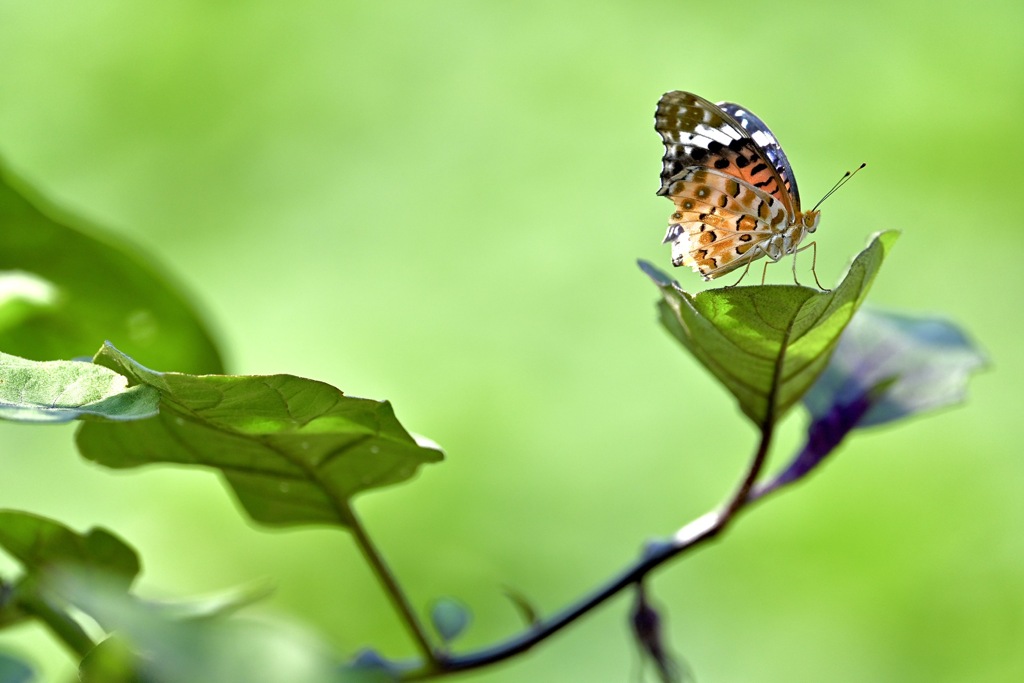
[735,193]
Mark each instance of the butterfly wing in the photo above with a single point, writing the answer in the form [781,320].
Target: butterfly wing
[699,133]
[721,223]
[767,143]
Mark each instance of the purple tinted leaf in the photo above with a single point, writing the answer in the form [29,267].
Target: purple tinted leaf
[823,435]
[886,367]
[925,361]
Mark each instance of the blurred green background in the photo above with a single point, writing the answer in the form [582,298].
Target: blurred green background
[441,203]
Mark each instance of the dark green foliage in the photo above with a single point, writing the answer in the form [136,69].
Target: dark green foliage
[64,291]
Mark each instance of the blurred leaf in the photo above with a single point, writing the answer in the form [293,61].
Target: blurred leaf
[221,604]
[62,291]
[529,613]
[450,618]
[11,611]
[294,450]
[49,552]
[13,670]
[112,661]
[767,344]
[60,391]
[887,367]
[168,650]
[40,545]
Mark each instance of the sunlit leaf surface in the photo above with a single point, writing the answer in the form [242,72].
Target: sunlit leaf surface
[767,344]
[294,450]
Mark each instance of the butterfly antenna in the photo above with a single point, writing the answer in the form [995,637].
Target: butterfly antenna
[842,181]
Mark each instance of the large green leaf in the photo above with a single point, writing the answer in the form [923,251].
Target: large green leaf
[294,450]
[64,291]
[767,344]
[59,391]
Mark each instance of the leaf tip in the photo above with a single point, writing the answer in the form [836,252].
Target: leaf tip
[658,276]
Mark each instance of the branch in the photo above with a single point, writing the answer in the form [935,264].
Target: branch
[700,530]
[394,591]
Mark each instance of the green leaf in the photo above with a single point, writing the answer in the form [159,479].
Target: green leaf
[64,290]
[41,545]
[50,553]
[767,344]
[450,618]
[14,670]
[294,450]
[59,391]
[112,661]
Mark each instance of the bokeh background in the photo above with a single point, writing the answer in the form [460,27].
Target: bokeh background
[441,203]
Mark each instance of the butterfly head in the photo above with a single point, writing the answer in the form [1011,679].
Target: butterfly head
[809,220]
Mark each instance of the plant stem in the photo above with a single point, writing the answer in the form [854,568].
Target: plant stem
[60,623]
[700,530]
[394,591]
[741,497]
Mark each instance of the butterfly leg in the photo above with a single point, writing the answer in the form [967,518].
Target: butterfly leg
[751,259]
[813,246]
[742,275]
